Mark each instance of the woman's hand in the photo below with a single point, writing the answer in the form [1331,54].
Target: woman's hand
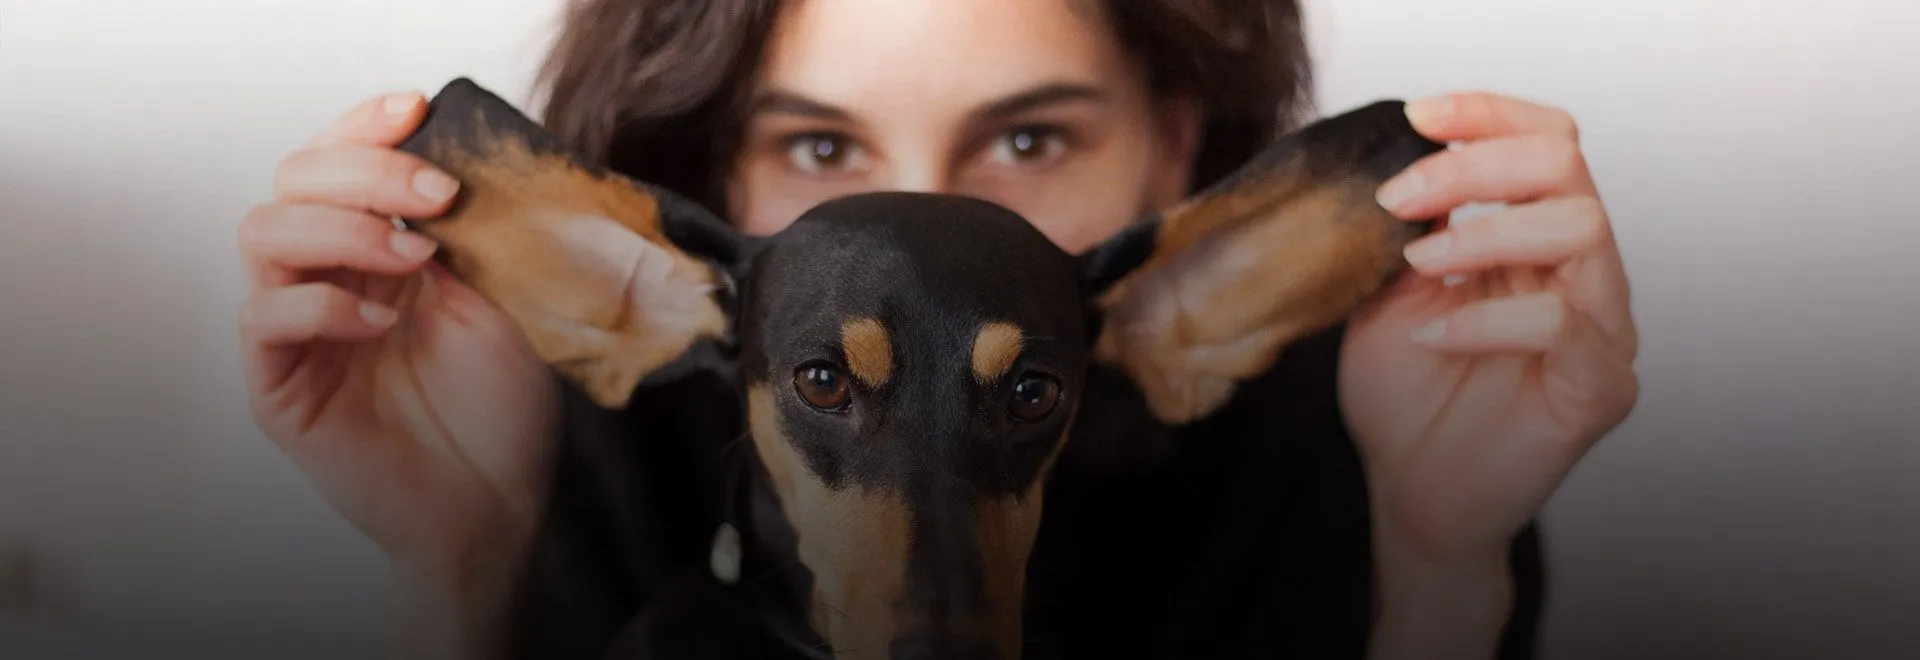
[415,407]
[1473,384]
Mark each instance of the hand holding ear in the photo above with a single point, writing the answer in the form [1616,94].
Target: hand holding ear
[1475,382]
[418,394]
[414,406]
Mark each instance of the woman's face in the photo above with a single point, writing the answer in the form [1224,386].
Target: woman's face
[1031,104]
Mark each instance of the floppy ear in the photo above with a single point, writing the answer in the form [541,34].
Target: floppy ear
[611,279]
[1194,300]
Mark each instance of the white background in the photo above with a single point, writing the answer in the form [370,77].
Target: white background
[1761,503]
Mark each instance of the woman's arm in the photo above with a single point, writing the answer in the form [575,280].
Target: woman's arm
[1432,611]
[1404,626]
[439,620]
[463,614]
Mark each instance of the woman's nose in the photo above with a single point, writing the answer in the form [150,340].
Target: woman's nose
[922,175]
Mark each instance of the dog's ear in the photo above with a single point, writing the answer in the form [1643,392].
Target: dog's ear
[611,279]
[1192,301]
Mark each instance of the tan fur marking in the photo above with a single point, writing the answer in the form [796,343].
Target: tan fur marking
[869,350]
[1007,528]
[578,260]
[855,542]
[994,350]
[1238,276]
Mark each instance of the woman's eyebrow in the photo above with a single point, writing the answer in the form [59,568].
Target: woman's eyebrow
[785,102]
[1036,98]
[779,101]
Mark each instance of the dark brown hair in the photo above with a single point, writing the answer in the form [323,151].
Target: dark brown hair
[656,89]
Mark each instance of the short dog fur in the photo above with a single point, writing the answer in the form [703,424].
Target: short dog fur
[836,441]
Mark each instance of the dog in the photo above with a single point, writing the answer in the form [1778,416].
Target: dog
[837,441]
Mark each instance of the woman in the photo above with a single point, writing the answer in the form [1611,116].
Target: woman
[1468,388]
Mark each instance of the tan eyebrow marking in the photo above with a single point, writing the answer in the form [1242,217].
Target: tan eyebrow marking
[869,350]
[994,350]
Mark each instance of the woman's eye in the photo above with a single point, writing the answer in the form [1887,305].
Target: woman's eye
[822,386]
[1027,145]
[1034,397]
[824,153]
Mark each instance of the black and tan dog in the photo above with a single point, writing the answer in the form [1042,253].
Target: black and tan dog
[867,406]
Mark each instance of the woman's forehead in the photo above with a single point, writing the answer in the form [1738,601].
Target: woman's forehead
[913,54]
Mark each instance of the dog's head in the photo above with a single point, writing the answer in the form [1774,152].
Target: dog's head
[911,364]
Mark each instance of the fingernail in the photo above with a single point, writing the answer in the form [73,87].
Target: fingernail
[399,104]
[1423,112]
[1424,251]
[412,246]
[1400,189]
[377,314]
[434,185]
[1431,332]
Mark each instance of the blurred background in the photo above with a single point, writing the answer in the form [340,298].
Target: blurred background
[1762,502]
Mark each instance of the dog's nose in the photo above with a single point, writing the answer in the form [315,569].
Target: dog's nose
[937,646]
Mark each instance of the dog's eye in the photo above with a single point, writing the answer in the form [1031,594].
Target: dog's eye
[822,386]
[1034,397]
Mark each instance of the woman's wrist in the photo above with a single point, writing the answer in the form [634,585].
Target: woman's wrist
[456,612]
[1431,608]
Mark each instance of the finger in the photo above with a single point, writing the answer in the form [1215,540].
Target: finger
[276,323]
[281,240]
[381,121]
[1569,240]
[1481,115]
[1590,382]
[1544,233]
[1583,369]
[286,316]
[1507,170]
[1530,322]
[1598,286]
[376,179]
